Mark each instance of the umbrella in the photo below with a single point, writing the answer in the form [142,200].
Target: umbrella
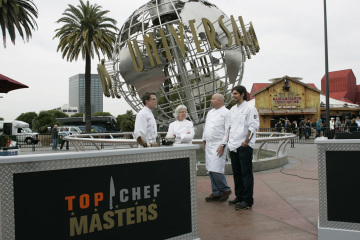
[8,84]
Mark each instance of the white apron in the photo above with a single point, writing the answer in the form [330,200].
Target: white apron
[213,162]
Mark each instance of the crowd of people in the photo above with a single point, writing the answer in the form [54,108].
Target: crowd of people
[316,128]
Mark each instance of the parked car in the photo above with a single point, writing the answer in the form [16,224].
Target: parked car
[20,130]
[73,130]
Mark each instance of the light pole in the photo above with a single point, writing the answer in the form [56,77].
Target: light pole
[327,121]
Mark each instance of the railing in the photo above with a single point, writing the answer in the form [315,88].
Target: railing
[99,140]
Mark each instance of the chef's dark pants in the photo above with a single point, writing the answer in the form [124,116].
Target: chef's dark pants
[241,162]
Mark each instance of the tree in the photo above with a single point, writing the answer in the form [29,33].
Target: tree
[28,117]
[48,119]
[101,114]
[1,118]
[17,15]
[86,30]
[126,121]
[58,114]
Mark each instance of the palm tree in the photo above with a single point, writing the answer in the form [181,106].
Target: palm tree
[20,15]
[86,30]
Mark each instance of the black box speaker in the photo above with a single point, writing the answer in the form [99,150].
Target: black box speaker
[347,135]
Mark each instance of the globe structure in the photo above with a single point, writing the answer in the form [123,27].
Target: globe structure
[164,47]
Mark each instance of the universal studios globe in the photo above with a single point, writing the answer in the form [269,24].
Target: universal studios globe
[184,51]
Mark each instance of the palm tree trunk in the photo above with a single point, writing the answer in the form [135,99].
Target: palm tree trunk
[87,93]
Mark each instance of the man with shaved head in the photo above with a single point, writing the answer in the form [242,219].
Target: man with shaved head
[214,145]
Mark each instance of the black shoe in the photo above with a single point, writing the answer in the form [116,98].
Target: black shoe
[242,206]
[225,195]
[212,198]
[235,201]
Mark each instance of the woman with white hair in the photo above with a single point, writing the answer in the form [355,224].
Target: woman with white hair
[181,129]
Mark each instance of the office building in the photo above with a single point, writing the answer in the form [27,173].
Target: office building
[77,93]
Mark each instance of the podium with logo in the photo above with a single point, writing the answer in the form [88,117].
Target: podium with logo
[112,194]
[339,179]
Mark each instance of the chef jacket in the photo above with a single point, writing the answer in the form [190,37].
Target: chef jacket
[243,118]
[217,122]
[181,129]
[145,123]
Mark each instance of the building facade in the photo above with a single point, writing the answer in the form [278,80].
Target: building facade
[77,93]
[66,108]
[289,98]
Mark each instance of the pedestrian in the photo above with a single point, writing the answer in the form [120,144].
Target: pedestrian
[353,126]
[337,125]
[332,128]
[323,128]
[145,125]
[357,120]
[64,134]
[343,126]
[313,125]
[244,122]
[318,127]
[54,136]
[181,129]
[278,126]
[214,146]
[301,129]
[347,124]
[307,129]
[294,130]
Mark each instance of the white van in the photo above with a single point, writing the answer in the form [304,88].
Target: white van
[19,129]
[71,129]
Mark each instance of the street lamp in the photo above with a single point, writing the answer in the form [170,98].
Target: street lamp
[327,121]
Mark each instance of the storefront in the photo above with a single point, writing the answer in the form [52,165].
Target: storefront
[287,98]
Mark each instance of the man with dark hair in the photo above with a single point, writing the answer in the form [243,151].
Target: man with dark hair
[244,122]
[347,124]
[278,126]
[145,125]
[313,125]
[307,129]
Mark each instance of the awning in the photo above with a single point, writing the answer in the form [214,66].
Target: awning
[265,111]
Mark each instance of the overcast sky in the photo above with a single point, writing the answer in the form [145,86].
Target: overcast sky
[290,34]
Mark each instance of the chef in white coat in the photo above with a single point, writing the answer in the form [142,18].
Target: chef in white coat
[145,125]
[214,145]
[181,129]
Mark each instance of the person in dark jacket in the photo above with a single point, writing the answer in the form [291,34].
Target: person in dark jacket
[313,125]
[294,131]
[301,128]
[278,126]
[353,125]
[54,136]
[307,129]
[347,124]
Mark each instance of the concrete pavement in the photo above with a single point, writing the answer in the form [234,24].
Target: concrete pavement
[285,207]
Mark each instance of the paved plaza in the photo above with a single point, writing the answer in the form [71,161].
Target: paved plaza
[286,202]
[285,206]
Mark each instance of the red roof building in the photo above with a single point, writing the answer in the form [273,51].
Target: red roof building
[342,86]
[357,94]
[256,87]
